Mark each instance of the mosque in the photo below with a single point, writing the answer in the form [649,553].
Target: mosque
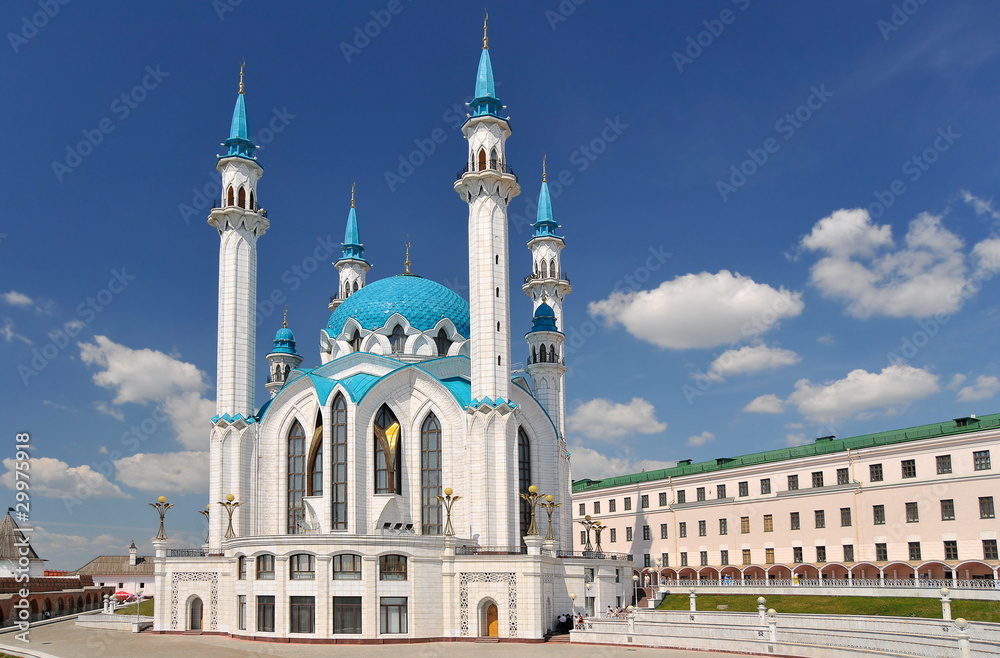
[410,484]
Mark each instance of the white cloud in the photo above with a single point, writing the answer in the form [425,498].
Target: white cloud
[825,339]
[588,463]
[52,478]
[749,359]
[895,386]
[170,472]
[73,551]
[981,206]
[108,410]
[766,404]
[15,298]
[700,310]
[190,416]
[9,332]
[794,426]
[956,381]
[793,439]
[607,420]
[984,387]
[75,325]
[701,439]
[862,266]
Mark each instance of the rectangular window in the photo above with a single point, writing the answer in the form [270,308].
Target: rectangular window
[703,558]
[723,526]
[820,518]
[817,479]
[720,491]
[265,567]
[796,554]
[628,504]
[843,476]
[241,611]
[878,514]
[241,567]
[346,615]
[684,559]
[875,472]
[909,468]
[744,525]
[628,533]
[848,552]
[744,488]
[265,614]
[951,550]
[881,553]
[612,505]
[723,557]
[392,614]
[664,560]
[303,614]
[681,497]
[682,529]
[793,482]
[663,531]
[346,567]
[614,536]
[794,521]
[392,567]
[583,509]
[768,523]
[765,486]
[912,513]
[914,549]
[646,534]
[645,560]
[702,528]
[981,460]
[663,499]
[700,493]
[990,549]
[746,556]
[948,510]
[583,538]
[943,464]
[597,507]
[643,501]
[845,517]
[986,510]
[769,555]
[302,566]
[821,553]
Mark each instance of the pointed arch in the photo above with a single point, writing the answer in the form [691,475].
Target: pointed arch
[534,354]
[243,197]
[430,475]
[388,445]
[354,287]
[545,269]
[443,342]
[252,205]
[356,341]
[314,479]
[230,197]
[338,461]
[543,355]
[493,159]
[296,485]
[397,341]
[482,159]
[552,268]
[523,477]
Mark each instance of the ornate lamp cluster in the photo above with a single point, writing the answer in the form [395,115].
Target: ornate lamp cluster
[448,499]
[535,499]
[597,527]
[229,504]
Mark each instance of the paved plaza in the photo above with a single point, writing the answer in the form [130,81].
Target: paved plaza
[63,639]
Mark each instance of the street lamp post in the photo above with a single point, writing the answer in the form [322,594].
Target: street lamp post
[635,588]
[588,525]
[448,499]
[205,513]
[598,528]
[230,507]
[532,499]
[161,505]
[549,506]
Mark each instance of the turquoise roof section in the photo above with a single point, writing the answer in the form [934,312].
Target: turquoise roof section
[353,249]
[485,100]
[544,224]
[544,320]
[284,342]
[239,135]
[820,447]
[421,301]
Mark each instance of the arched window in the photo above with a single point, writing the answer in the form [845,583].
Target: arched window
[252,206]
[430,476]
[356,341]
[553,354]
[338,461]
[315,479]
[392,567]
[493,159]
[229,196]
[552,268]
[354,287]
[443,342]
[296,478]
[543,354]
[524,477]
[302,566]
[498,292]
[287,370]
[346,567]
[482,159]
[243,197]
[347,289]
[534,354]
[499,360]
[498,326]
[388,440]
[398,339]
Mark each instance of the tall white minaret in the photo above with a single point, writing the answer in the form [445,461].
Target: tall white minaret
[239,222]
[547,281]
[488,185]
[352,265]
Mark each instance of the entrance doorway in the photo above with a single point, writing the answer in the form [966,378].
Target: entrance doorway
[195,611]
[492,621]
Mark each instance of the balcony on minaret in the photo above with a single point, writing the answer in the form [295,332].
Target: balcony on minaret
[491,166]
[546,276]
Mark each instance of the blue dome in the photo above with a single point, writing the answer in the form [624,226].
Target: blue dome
[284,334]
[421,301]
[545,318]
[284,342]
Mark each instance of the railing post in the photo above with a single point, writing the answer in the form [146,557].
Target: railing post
[772,625]
[693,600]
[963,638]
[945,604]
[760,608]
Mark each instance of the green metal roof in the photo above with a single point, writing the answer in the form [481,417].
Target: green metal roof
[820,447]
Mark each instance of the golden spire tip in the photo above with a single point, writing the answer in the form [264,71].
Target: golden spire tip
[486,39]
[284,322]
[352,193]
[242,66]
[544,157]
[406,263]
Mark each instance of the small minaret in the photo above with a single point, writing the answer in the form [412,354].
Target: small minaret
[545,364]
[282,359]
[547,281]
[487,185]
[132,554]
[352,265]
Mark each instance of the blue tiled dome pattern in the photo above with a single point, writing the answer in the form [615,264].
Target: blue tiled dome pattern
[421,301]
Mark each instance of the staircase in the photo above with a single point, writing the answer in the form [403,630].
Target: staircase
[559,638]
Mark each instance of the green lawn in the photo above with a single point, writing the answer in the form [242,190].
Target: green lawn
[841,605]
[145,608]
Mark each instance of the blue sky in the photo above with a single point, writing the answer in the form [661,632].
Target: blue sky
[780,218]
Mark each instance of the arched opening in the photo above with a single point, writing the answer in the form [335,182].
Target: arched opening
[498,326]
[534,354]
[443,342]
[397,341]
[354,287]
[545,270]
[553,355]
[347,289]
[338,460]
[315,479]
[543,354]
[252,206]
[243,197]
[33,607]
[491,620]
[230,198]
[356,341]
[552,268]
[482,159]
[296,478]
[430,476]
[59,608]
[493,159]
[523,477]
[388,442]
[195,612]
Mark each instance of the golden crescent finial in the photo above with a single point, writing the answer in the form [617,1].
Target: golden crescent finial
[486,39]
[284,322]
[544,157]
[242,66]
[353,183]
[406,263]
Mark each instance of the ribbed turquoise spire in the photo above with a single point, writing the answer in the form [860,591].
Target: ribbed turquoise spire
[353,249]
[239,136]
[544,224]
[485,101]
